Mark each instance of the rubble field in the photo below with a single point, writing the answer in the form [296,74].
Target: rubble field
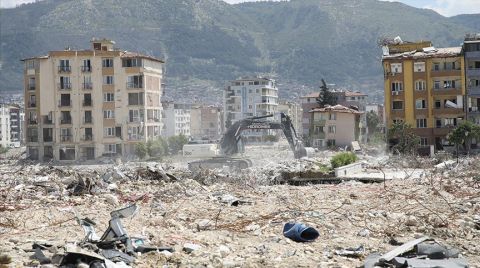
[223,218]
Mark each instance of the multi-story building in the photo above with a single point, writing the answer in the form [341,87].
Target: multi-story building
[294,110]
[176,118]
[249,97]
[206,123]
[16,125]
[343,97]
[5,136]
[83,104]
[425,88]
[334,126]
[471,48]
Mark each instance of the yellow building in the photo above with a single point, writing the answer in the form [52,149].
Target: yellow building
[84,104]
[425,88]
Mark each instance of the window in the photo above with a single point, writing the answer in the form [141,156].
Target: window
[422,123]
[420,85]
[108,79]
[450,122]
[474,83]
[108,114]
[64,66]
[397,121]
[396,67]
[87,100]
[107,63]
[332,116]
[397,86]
[31,83]
[65,134]
[397,105]
[330,142]
[438,104]
[108,97]
[318,143]
[65,82]
[436,84]
[87,118]
[110,148]
[420,104]
[135,116]
[331,129]
[135,81]
[423,141]
[134,62]
[135,98]
[449,84]
[419,67]
[318,130]
[438,123]
[436,66]
[86,67]
[109,132]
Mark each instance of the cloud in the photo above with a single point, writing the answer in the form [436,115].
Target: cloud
[454,7]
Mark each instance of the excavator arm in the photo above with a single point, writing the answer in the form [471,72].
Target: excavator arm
[229,144]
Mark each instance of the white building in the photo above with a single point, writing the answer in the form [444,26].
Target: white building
[176,119]
[249,97]
[5,140]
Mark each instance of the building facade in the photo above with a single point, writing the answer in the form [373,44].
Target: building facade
[176,119]
[334,126]
[248,97]
[471,48]
[294,110]
[206,123]
[5,135]
[425,88]
[84,104]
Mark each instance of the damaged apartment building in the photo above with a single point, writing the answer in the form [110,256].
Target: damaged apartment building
[432,89]
[84,104]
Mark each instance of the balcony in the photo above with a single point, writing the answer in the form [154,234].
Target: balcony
[473,72]
[319,122]
[66,121]
[448,111]
[86,69]
[64,69]
[87,137]
[32,122]
[65,138]
[65,103]
[472,54]
[31,87]
[87,103]
[447,91]
[48,138]
[473,90]
[473,110]
[134,85]
[451,72]
[64,86]
[32,104]
[87,85]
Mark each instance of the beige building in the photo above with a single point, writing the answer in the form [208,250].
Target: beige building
[294,110]
[334,126]
[84,104]
[206,123]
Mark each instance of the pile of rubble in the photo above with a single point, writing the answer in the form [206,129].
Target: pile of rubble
[156,215]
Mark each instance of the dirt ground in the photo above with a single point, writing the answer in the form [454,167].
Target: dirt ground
[445,205]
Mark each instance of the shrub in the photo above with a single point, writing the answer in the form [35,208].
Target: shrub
[175,143]
[141,150]
[157,148]
[343,159]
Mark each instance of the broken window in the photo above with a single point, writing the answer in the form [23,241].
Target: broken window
[67,153]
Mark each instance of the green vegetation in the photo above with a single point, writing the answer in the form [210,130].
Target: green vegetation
[211,40]
[4,150]
[463,135]
[373,120]
[160,147]
[326,97]
[343,159]
[402,140]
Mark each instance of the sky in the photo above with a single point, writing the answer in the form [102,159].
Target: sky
[444,7]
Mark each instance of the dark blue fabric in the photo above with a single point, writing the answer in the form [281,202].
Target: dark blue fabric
[299,232]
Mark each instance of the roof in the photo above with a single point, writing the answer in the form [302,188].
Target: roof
[311,95]
[336,108]
[33,58]
[430,52]
[128,54]
[356,93]
[347,94]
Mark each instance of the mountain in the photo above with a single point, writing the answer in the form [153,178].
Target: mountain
[298,42]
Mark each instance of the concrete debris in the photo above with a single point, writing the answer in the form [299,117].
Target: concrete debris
[222,218]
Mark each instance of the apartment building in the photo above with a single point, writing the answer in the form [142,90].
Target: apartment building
[247,97]
[5,136]
[176,117]
[471,48]
[294,110]
[425,88]
[84,104]
[334,126]
[206,123]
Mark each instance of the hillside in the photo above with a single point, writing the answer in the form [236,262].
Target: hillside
[299,41]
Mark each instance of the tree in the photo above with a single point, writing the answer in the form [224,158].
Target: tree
[373,120]
[326,97]
[141,150]
[402,139]
[175,143]
[157,147]
[463,135]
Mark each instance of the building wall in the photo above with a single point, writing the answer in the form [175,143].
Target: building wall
[177,119]
[206,123]
[79,138]
[5,140]
[295,112]
[346,129]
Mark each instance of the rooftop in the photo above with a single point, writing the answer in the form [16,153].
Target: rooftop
[336,108]
[427,52]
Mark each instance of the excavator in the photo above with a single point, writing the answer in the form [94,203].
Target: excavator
[231,144]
